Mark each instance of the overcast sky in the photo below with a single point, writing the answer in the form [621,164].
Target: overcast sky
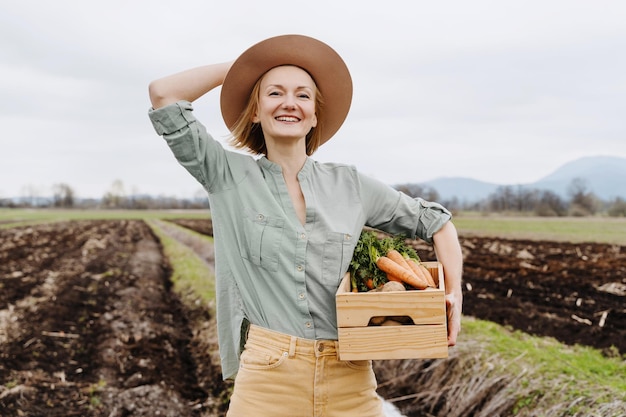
[499,91]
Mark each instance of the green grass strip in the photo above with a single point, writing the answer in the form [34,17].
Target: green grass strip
[190,274]
[571,229]
[23,217]
[559,373]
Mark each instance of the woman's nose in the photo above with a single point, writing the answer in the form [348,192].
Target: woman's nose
[289,102]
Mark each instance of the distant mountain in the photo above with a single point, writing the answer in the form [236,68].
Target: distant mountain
[464,189]
[605,176]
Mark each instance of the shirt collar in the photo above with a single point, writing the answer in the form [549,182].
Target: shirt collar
[276,169]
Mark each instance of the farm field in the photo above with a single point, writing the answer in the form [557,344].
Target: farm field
[90,326]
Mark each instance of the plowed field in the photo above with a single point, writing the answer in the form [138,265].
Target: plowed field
[89,325]
[575,293]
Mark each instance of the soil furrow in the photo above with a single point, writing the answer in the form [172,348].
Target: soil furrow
[100,334]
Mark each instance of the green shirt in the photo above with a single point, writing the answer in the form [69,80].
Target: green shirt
[270,269]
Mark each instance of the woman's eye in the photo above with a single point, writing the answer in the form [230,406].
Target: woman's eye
[273,93]
[304,96]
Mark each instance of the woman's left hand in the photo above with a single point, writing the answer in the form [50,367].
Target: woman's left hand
[454,305]
[449,253]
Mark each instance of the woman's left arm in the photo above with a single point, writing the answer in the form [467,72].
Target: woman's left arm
[448,250]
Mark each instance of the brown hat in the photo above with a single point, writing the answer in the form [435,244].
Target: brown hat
[325,66]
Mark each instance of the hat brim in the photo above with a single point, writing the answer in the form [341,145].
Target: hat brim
[325,66]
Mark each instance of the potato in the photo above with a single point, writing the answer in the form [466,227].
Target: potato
[393,286]
[402,319]
[377,320]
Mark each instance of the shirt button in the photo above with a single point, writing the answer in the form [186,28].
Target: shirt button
[299,268]
[301,296]
[347,237]
[303,236]
[260,217]
[307,324]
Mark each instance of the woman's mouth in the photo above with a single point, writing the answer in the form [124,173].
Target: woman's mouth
[287,119]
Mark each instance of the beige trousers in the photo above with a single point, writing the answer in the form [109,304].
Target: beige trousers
[286,376]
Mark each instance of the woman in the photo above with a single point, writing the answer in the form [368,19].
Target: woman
[286,226]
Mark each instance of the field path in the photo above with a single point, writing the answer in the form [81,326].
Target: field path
[196,241]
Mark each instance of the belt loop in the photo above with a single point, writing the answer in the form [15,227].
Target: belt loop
[337,348]
[292,346]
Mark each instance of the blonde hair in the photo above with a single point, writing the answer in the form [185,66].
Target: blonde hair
[245,134]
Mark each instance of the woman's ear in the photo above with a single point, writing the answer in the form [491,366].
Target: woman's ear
[255,118]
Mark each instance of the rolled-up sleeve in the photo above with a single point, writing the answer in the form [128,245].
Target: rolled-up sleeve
[432,218]
[191,144]
[172,118]
[395,212]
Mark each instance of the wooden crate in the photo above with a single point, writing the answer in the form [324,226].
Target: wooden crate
[426,338]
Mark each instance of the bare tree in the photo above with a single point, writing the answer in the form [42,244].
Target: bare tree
[115,197]
[550,204]
[617,208]
[417,190]
[503,199]
[30,195]
[62,195]
[583,202]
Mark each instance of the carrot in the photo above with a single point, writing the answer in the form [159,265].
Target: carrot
[395,256]
[412,265]
[391,277]
[429,276]
[392,268]
[421,271]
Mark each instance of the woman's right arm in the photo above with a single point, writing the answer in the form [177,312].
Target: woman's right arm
[187,85]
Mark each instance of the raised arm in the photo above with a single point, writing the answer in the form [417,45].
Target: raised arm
[187,85]
[448,250]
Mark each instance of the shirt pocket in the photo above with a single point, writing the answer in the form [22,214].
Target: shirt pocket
[336,257]
[263,235]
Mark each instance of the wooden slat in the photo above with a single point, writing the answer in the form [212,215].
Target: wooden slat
[393,342]
[423,306]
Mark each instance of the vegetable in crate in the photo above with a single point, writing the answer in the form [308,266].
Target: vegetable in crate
[379,260]
[362,269]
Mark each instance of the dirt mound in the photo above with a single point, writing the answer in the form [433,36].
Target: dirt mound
[89,327]
[572,292]
[203,226]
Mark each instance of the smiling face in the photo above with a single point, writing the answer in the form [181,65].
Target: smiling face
[286,107]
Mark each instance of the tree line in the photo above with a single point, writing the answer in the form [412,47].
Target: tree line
[64,196]
[581,200]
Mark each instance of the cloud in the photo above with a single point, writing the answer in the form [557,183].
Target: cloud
[498,91]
